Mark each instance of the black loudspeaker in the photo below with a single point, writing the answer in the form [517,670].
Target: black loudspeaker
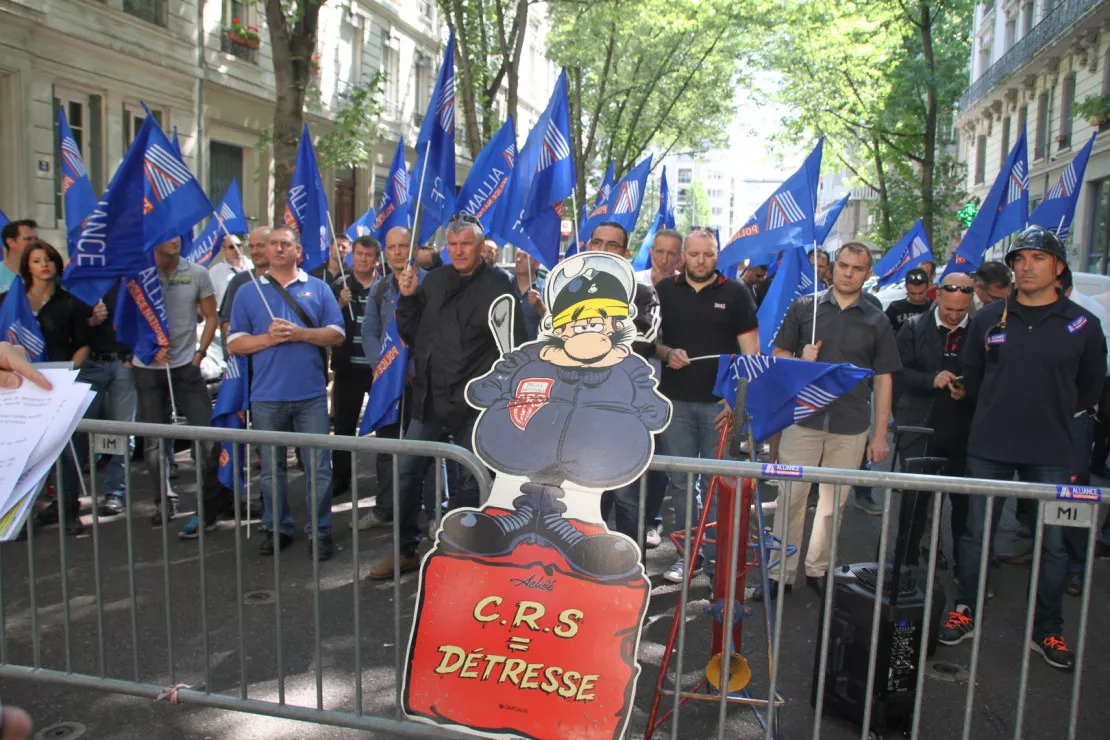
[899,646]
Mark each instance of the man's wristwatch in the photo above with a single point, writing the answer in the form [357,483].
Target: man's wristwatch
[202,352]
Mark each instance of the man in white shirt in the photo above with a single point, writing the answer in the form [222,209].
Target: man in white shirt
[233,263]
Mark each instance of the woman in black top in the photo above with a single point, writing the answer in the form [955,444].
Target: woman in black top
[63,321]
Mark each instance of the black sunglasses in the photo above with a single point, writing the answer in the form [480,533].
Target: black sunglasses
[917,279]
[465,218]
[957,288]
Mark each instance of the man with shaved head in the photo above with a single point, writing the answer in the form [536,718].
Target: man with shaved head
[256,248]
[933,396]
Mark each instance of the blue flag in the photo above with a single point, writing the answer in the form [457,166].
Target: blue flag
[1004,211]
[1058,207]
[784,220]
[434,172]
[364,226]
[824,221]
[229,412]
[77,188]
[187,235]
[228,219]
[151,199]
[4,220]
[623,206]
[482,193]
[783,391]
[18,324]
[396,206]
[389,383]
[542,179]
[601,200]
[140,316]
[794,280]
[306,206]
[664,219]
[908,253]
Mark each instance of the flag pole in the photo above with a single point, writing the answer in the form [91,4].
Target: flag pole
[342,272]
[419,201]
[574,205]
[250,271]
[813,337]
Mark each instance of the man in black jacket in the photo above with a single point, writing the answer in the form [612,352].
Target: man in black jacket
[445,320]
[933,396]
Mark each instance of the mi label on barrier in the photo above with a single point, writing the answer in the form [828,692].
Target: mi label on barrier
[771,470]
[1067,513]
[109,444]
[1079,493]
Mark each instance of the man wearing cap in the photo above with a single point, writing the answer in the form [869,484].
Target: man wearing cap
[916,300]
[1030,362]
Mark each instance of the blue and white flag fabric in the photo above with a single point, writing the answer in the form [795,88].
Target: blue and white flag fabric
[824,221]
[1004,211]
[364,226]
[783,391]
[606,184]
[543,178]
[152,198]
[435,178]
[187,235]
[794,280]
[388,386]
[228,219]
[140,318]
[908,253]
[396,206]
[4,220]
[230,412]
[600,205]
[306,206]
[784,220]
[77,189]
[664,219]
[482,193]
[623,206]
[18,324]
[1055,212]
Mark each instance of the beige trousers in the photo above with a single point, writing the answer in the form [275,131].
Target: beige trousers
[809,448]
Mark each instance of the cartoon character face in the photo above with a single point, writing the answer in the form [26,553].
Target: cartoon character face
[592,342]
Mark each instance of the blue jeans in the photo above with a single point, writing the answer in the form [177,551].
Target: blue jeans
[1082,437]
[690,434]
[305,417]
[115,401]
[463,485]
[1048,618]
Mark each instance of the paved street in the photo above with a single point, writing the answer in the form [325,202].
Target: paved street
[106,715]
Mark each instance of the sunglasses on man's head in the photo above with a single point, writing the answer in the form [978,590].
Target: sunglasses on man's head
[957,288]
[916,280]
[465,218]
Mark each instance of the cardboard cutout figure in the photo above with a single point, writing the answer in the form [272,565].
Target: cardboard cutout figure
[529,612]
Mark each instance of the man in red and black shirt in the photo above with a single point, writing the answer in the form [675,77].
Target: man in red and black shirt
[702,314]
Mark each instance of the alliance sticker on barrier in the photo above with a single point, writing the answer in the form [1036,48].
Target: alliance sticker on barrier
[1079,493]
[1068,513]
[771,470]
[109,444]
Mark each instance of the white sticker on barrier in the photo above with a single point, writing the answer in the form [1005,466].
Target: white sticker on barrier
[1068,513]
[109,444]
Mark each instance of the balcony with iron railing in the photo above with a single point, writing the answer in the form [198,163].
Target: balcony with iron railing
[1056,22]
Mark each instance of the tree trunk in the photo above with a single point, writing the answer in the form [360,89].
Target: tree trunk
[884,198]
[470,108]
[520,21]
[292,49]
[928,163]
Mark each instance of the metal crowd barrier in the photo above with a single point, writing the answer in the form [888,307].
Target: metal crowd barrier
[245,666]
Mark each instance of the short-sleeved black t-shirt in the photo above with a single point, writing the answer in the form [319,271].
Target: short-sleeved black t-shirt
[902,311]
[859,334]
[702,322]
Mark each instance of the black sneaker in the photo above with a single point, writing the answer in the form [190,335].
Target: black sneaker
[1102,550]
[325,548]
[112,505]
[1054,651]
[756,593]
[959,626]
[1074,584]
[171,512]
[267,546]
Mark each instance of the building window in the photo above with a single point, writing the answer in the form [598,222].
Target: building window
[391,63]
[84,114]
[980,159]
[151,11]
[1040,138]
[428,11]
[422,91]
[1067,97]
[225,163]
[1005,137]
[682,195]
[1026,18]
[1100,226]
[133,117]
[348,55]
[1023,117]
[684,176]
[1011,33]
[237,11]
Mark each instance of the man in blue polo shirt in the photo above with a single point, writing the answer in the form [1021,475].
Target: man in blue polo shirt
[1031,362]
[285,328]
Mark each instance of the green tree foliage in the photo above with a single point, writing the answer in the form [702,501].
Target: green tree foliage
[649,74]
[879,79]
[356,126]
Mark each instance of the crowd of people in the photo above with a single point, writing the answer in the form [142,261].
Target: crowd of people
[958,357]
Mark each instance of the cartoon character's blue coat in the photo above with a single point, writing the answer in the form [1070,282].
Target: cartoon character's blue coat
[591,426]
